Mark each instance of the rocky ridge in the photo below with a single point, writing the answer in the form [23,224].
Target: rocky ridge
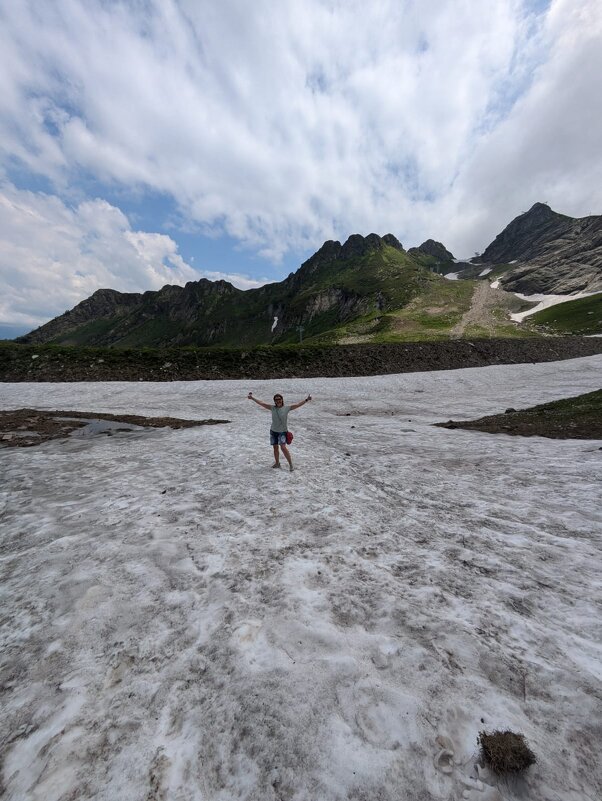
[540,251]
[338,282]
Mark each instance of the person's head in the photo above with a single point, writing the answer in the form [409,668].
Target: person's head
[278,400]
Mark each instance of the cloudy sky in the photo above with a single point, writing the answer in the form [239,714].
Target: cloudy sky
[146,142]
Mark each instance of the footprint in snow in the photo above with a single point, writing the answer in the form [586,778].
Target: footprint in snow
[477,790]
[444,759]
[482,792]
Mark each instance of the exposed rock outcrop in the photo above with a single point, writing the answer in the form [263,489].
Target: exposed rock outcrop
[570,263]
[543,252]
[345,303]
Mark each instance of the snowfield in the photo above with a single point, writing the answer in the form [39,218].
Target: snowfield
[180,621]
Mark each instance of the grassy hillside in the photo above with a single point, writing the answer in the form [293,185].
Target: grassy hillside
[581,316]
[429,315]
[432,314]
[382,281]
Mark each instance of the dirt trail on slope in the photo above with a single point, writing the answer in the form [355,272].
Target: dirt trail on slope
[484,301]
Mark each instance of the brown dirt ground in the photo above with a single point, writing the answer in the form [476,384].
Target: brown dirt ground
[555,420]
[505,424]
[485,301]
[22,428]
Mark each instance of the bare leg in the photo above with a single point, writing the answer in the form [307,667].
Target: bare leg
[287,456]
[276,457]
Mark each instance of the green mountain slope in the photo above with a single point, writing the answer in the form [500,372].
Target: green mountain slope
[365,276]
[430,314]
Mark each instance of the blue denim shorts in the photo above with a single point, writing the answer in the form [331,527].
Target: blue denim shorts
[277,437]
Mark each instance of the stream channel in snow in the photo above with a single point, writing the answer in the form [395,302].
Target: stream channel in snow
[180,622]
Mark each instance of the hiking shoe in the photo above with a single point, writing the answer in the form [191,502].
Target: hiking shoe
[291,468]
[275,464]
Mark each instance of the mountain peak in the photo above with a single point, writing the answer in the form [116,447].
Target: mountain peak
[355,246]
[540,207]
[538,211]
[526,235]
[358,245]
[392,241]
[330,250]
[433,248]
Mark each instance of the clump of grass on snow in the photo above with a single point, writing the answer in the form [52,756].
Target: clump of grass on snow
[506,752]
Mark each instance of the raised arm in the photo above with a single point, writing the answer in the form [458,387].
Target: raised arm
[301,403]
[258,402]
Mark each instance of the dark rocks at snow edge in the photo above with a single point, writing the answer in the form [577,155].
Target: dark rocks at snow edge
[43,363]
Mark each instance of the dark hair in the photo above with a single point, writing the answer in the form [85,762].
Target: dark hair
[278,396]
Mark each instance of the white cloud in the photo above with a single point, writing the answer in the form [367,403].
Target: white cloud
[284,124]
[52,256]
[548,147]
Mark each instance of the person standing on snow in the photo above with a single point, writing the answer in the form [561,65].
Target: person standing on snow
[279,430]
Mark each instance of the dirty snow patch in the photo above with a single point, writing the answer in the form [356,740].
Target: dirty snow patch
[182,622]
[545,302]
